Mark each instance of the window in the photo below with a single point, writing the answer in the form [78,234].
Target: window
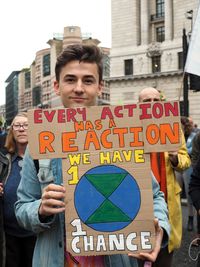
[27,79]
[105,96]
[36,96]
[38,78]
[160,34]
[46,65]
[71,29]
[128,96]
[156,66]
[128,67]
[48,83]
[194,82]
[106,66]
[180,60]
[160,8]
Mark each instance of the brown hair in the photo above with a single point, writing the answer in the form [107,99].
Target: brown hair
[83,53]
[186,125]
[10,143]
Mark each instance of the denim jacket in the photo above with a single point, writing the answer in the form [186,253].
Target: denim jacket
[49,249]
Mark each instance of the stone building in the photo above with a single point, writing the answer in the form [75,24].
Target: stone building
[147,49]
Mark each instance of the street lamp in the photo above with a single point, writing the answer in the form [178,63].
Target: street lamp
[185,77]
[189,15]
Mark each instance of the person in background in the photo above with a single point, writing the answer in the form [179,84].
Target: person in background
[164,166]
[194,191]
[18,241]
[194,159]
[196,129]
[4,163]
[3,171]
[184,176]
[40,206]
[195,149]
[2,137]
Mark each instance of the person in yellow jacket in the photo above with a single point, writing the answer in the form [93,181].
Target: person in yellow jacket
[164,166]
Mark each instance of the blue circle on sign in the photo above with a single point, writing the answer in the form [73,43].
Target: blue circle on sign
[107,198]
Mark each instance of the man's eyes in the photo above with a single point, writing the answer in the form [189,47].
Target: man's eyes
[88,81]
[69,80]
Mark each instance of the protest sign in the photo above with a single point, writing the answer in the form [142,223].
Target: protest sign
[106,170]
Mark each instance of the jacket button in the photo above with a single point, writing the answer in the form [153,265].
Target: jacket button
[60,244]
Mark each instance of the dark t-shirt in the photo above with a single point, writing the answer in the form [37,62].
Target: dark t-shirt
[11,225]
[2,140]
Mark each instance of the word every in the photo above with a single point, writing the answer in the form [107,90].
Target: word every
[145,111]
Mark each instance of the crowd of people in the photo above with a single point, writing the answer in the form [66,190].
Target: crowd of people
[32,207]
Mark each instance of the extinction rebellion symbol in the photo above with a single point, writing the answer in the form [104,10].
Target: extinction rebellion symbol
[107,198]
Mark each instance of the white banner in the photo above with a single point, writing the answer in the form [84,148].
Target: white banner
[193,57]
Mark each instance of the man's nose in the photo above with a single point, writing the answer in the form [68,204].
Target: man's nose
[79,88]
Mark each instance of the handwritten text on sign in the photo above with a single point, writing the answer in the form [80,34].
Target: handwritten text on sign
[106,170]
[62,131]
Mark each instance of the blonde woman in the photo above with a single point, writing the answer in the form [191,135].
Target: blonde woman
[19,242]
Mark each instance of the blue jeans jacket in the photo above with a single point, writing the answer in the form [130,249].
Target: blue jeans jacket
[49,249]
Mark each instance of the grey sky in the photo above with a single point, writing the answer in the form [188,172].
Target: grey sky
[26,26]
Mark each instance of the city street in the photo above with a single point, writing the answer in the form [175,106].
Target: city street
[181,256]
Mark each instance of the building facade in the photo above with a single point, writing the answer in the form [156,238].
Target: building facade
[147,49]
[11,104]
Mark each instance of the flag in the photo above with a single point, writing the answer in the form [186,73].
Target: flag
[193,57]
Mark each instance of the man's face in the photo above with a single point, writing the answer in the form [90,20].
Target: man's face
[78,84]
[149,95]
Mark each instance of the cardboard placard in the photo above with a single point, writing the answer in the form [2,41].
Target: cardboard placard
[106,170]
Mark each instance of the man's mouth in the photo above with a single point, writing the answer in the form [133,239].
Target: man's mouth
[78,99]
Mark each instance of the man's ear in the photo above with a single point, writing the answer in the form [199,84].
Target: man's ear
[56,87]
[100,88]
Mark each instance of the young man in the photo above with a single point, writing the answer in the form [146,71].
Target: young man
[163,166]
[40,207]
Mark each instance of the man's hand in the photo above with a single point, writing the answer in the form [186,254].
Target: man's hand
[52,200]
[1,189]
[173,156]
[151,256]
